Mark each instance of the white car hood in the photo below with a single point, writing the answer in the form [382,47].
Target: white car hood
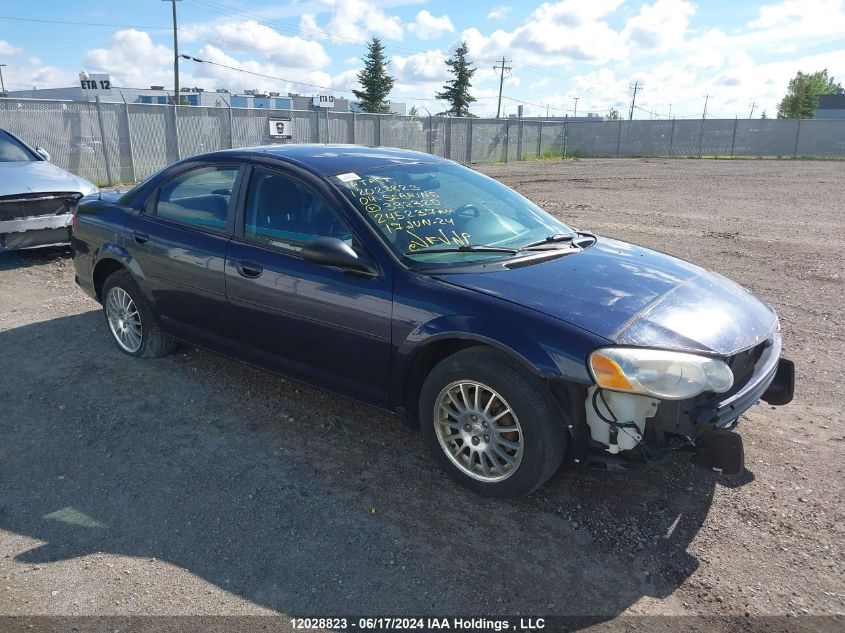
[39,176]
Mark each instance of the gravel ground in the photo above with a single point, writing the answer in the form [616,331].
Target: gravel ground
[196,485]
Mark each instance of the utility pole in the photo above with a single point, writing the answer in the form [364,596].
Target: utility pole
[576,107]
[176,95]
[2,85]
[633,100]
[753,105]
[704,114]
[503,68]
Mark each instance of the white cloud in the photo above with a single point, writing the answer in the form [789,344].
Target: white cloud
[419,71]
[555,33]
[308,26]
[8,49]
[132,59]
[249,36]
[499,13]
[289,79]
[426,26]
[359,19]
[660,26]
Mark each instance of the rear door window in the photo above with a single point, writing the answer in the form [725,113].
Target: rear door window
[199,198]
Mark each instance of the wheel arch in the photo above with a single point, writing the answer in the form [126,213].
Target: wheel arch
[109,259]
[420,358]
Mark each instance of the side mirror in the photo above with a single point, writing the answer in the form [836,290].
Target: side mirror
[330,251]
[43,153]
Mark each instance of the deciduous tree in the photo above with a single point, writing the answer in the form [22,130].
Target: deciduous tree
[802,96]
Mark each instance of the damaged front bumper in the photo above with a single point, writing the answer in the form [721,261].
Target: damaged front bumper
[36,220]
[629,431]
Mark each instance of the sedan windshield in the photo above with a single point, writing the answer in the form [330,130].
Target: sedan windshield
[445,213]
[11,151]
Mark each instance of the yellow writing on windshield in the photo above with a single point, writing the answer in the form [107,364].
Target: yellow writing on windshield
[408,208]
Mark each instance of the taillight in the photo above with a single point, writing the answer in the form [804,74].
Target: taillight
[73,220]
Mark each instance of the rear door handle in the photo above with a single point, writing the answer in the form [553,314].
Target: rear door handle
[141,238]
[249,269]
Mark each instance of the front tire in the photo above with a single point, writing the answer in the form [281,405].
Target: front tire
[130,320]
[490,424]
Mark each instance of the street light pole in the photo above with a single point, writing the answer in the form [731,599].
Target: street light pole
[176,98]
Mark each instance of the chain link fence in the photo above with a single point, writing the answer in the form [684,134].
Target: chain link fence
[125,142]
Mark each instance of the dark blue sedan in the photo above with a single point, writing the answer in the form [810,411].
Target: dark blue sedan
[511,340]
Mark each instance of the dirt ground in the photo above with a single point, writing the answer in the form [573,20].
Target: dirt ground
[196,485]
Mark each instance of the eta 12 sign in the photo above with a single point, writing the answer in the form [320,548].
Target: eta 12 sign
[96,82]
[323,101]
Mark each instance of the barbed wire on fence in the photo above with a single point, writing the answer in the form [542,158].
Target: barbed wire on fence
[124,142]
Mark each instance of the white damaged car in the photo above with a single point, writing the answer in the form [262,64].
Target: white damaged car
[36,197]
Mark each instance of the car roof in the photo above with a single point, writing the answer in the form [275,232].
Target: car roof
[328,160]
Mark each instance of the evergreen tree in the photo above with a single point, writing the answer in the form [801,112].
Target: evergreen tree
[802,96]
[375,82]
[456,91]
[612,115]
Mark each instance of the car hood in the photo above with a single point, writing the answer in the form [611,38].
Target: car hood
[39,176]
[634,296]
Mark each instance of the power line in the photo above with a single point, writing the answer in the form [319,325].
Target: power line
[257,74]
[69,22]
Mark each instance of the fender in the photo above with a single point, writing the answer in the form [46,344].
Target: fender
[116,252]
[564,361]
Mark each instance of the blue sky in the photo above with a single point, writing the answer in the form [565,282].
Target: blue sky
[739,53]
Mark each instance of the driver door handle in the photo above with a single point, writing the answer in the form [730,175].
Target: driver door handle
[140,238]
[248,269]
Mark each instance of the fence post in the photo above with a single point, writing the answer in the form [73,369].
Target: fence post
[377,131]
[353,128]
[507,136]
[701,136]
[103,140]
[733,138]
[672,137]
[618,138]
[520,127]
[469,141]
[565,130]
[447,142]
[176,132]
[540,140]
[129,137]
[430,135]
[797,134]
[231,125]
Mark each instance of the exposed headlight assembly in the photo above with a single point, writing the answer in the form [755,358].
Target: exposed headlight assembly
[658,373]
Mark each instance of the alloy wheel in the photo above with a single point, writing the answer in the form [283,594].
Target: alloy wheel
[124,320]
[478,431]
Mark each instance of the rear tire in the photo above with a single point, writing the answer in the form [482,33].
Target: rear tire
[130,321]
[490,424]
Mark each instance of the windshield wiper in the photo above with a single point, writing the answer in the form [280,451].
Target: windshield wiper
[472,248]
[551,239]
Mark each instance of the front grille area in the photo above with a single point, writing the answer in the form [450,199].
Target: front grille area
[754,370]
[33,205]
[742,364]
